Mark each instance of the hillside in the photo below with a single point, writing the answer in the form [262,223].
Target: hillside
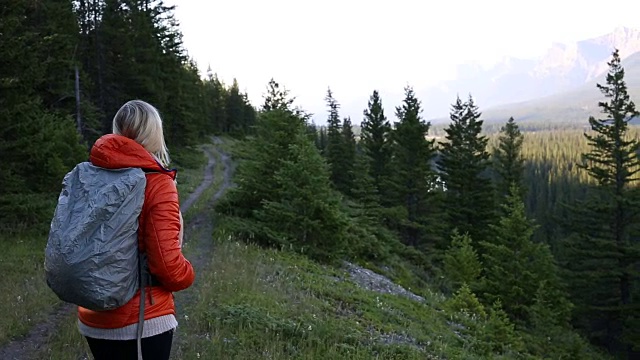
[255,303]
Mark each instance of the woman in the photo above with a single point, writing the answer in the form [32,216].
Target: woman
[138,141]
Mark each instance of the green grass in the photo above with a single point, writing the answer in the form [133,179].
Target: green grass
[260,303]
[25,298]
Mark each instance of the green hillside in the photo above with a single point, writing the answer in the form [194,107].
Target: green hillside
[266,304]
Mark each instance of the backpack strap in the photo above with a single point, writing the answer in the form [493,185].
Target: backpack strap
[141,265]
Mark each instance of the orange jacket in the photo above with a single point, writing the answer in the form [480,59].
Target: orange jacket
[159,228]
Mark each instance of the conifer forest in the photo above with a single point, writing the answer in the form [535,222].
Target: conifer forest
[536,231]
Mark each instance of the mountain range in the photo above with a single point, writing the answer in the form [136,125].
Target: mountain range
[560,86]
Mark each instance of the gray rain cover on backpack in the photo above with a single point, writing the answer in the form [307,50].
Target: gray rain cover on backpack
[91,257]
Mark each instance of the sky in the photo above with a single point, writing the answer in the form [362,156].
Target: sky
[355,46]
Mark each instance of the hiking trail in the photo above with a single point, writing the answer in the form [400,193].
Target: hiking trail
[197,233]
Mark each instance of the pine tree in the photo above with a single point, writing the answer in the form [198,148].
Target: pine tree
[339,153]
[497,333]
[39,142]
[515,267]
[364,190]
[376,142]
[414,176]
[507,159]
[603,254]
[235,107]
[463,165]
[348,158]
[216,96]
[466,302]
[277,98]
[305,215]
[461,262]
[322,140]
[283,196]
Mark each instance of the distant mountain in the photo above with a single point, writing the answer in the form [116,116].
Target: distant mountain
[564,67]
[573,106]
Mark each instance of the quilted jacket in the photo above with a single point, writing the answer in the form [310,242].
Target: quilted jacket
[158,234]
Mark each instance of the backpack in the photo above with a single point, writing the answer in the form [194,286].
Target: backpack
[91,257]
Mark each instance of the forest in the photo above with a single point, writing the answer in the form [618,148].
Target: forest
[535,230]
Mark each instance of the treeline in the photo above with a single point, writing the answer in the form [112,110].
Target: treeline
[532,235]
[457,208]
[65,69]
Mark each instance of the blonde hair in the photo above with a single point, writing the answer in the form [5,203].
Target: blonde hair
[141,122]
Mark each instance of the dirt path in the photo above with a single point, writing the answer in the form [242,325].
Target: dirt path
[206,182]
[199,246]
[35,341]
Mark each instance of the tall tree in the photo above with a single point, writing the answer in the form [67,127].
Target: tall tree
[339,154]
[39,142]
[283,196]
[235,110]
[515,267]
[376,142]
[463,165]
[348,157]
[415,178]
[604,253]
[507,159]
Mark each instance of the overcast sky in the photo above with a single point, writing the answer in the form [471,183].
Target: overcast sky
[356,46]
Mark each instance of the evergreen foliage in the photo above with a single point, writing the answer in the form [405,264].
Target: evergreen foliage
[283,196]
[508,161]
[461,262]
[376,143]
[340,150]
[414,190]
[463,166]
[516,268]
[121,50]
[605,231]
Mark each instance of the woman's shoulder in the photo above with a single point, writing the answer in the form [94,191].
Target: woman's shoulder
[161,185]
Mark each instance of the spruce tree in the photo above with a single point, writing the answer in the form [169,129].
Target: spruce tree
[463,166]
[283,196]
[461,262]
[507,159]
[603,255]
[515,267]
[340,150]
[348,159]
[235,107]
[414,177]
[376,143]
[39,141]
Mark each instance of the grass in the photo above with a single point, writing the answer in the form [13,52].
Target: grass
[270,304]
[25,298]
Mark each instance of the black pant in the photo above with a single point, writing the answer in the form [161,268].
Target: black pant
[153,348]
